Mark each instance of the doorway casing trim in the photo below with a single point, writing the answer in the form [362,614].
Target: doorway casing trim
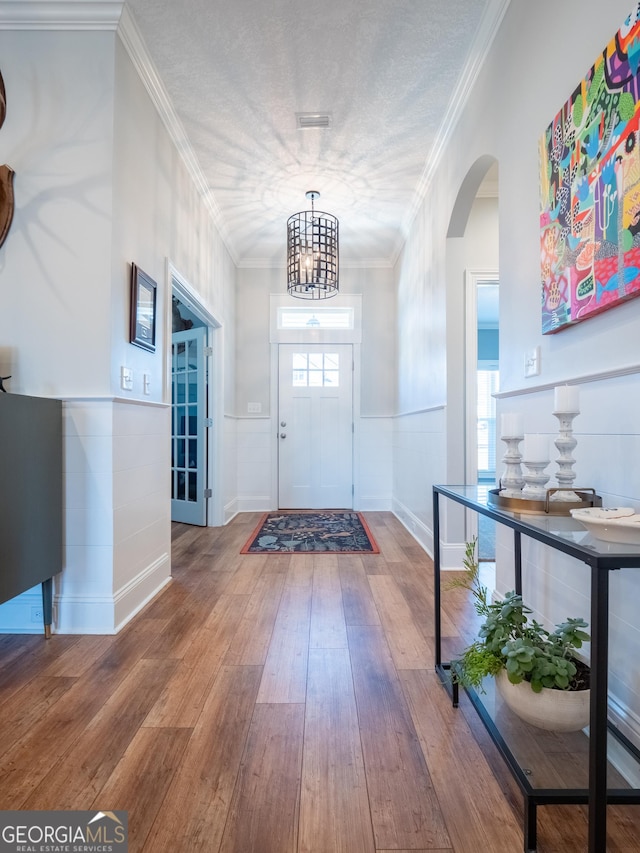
[178,284]
[473,278]
[315,336]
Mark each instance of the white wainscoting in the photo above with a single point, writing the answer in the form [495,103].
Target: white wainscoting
[255,465]
[373,470]
[419,461]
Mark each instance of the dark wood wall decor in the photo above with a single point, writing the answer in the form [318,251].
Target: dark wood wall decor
[3,102]
[6,178]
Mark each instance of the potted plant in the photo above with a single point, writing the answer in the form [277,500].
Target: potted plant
[537,671]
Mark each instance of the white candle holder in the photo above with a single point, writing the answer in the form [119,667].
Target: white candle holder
[565,442]
[535,480]
[512,480]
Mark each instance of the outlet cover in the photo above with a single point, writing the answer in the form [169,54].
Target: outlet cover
[254,408]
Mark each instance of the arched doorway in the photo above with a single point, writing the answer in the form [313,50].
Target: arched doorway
[472,341]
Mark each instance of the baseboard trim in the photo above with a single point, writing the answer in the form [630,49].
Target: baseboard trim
[372,504]
[420,532]
[628,723]
[258,503]
[133,596]
[230,511]
[77,614]
[451,555]
[81,614]
[15,614]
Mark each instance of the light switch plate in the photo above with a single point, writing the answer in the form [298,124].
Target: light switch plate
[126,378]
[532,362]
[254,408]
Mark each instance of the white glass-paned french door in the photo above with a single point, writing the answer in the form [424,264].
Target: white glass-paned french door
[188,426]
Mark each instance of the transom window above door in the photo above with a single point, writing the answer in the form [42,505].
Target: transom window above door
[319,318]
[315,369]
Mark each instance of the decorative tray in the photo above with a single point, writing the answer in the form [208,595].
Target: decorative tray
[611,524]
[548,506]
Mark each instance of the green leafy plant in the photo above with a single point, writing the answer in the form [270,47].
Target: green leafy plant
[508,639]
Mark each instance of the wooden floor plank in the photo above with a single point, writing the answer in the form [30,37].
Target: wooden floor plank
[162,719]
[334,809]
[357,600]
[81,656]
[251,642]
[246,574]
[459,770]
[29,705]
[177,636]
[284,678]
[404,805]
[194,813]
[32,660]
[385,538]
[409,648]
[183,698]
[14,647]
[97,749]
[31,757]
[140,780]
[264,812]
[328,628]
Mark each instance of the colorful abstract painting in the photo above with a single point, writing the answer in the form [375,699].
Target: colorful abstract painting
[590,189]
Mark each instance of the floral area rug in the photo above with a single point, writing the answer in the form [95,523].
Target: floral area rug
[317,531]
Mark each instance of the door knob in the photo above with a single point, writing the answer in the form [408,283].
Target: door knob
[283,423]
[283,435]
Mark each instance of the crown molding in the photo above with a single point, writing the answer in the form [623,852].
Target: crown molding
[60,14]
[114,15]
[489,26]
[139,55]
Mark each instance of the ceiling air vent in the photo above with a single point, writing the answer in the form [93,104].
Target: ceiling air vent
[306,121]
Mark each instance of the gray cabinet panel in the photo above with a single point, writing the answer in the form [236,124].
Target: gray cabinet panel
[30,492]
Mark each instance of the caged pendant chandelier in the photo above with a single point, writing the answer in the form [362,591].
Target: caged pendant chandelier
[312,253]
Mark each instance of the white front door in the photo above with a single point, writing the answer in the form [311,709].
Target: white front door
[315,426]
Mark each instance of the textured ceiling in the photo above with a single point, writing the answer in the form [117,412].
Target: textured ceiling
[238,71]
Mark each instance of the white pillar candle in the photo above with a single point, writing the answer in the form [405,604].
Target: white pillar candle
[511,424]
[565,398]
[536,448]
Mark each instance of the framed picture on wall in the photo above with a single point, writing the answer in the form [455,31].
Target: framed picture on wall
[143,309]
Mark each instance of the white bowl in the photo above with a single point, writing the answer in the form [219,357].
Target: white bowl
[616,524]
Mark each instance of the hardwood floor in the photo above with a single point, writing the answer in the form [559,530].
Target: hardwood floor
[272,704]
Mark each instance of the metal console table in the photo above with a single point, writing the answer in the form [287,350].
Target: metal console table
[597,783]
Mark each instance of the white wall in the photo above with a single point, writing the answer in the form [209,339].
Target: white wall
[55,275]
[99,184]
[528,75]
[476,250]
[55,263]
[256,453]
[431,440]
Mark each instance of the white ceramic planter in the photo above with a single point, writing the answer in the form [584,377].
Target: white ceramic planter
[553,710]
